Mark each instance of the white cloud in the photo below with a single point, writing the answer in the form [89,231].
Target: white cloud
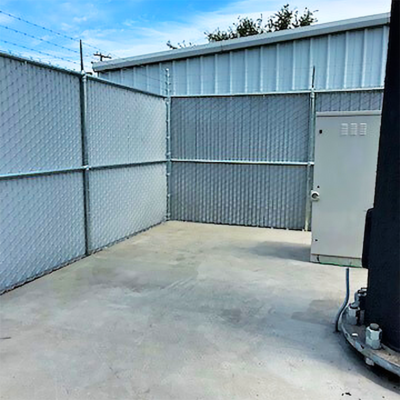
[80,19]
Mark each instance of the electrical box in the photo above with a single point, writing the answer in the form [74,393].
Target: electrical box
[346,153]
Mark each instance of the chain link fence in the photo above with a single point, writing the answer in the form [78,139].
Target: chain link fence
[85,163]
[245,155]
[248,159]
[82,165]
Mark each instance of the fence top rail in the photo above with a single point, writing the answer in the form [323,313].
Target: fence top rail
[289,92]
[39,64]
[121,86]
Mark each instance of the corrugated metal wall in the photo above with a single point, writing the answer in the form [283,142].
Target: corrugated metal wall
[64,190]
[353,59]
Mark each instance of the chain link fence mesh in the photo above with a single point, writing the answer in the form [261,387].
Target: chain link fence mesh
[40,120]
[55,205]
[42,226]
[221,132]
[124,126]
[250,195]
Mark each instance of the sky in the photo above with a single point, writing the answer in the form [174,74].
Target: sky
[133,27]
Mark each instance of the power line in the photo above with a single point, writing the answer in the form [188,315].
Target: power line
[38,51]
[46,29]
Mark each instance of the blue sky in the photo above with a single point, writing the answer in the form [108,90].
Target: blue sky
[132,27]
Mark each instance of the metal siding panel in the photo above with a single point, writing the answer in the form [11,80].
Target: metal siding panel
[207,75]
[126,77]
[241,128]
[124,201]
[373,56]
[156,81]
[320,59]
[355,59]
[336,65]
[385,43]
[253,70]
[124,126]
[194,75]
[140,78]
[40,122]
[238,72]
[339,63]
[285,67]
[180,77]
[269,68]
[250,195]
[222,74]
[42,226]
[301,68]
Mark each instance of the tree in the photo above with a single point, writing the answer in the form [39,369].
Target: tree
[285,18]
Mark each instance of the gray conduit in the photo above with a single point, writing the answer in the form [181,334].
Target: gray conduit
[346,300]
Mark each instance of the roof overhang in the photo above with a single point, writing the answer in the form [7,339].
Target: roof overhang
[252,41]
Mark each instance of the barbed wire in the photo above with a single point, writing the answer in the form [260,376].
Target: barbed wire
[47,29]
[38,38]
[38,51]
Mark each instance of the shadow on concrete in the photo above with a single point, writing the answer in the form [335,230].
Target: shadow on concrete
[286,251]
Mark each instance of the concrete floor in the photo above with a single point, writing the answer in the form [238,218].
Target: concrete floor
[186,311]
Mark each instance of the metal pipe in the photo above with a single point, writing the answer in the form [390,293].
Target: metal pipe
[30,174]
[244,162]
[125,165]
[85,161]
[119,85]
[310,156]
[275,93]
[168,139]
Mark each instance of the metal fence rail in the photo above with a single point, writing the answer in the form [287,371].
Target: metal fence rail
[82,165]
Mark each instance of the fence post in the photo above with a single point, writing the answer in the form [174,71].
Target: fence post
[310,155]
[168,140]
[85,163]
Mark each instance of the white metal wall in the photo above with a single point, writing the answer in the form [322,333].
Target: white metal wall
[348,60]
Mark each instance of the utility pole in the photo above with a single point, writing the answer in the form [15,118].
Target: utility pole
[81,54]
[102,56]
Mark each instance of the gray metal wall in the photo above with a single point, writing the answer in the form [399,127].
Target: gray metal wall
[347,60]
[66,191]
[246,160]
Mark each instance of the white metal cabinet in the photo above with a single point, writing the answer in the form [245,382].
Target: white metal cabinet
[346,150]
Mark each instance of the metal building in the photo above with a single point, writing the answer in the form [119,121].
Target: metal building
[346,54]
